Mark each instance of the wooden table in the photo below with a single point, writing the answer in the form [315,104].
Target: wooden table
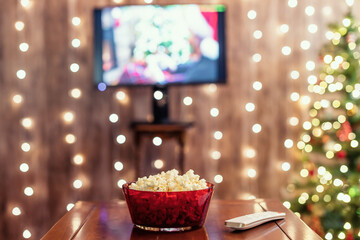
[111,220]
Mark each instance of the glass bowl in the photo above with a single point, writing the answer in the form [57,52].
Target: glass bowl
[168,211]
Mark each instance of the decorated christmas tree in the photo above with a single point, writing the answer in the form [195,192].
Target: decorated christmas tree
[328,188]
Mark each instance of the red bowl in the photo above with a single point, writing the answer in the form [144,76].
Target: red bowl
[168,211]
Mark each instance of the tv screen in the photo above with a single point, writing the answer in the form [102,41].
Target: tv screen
[159,45]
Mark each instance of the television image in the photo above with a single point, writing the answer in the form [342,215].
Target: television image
[154,45]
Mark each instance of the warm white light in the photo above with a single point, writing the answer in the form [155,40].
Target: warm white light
[19,25]
[27,234]
[256,57]
[257,34]
[70,138]
[121,182]
[211,88]
[113,118]
[256,128]
[16,211]
[69,206]
[293,121]
[347,226]
[286,50]
[24,47]
[250,107]
[28,191]
[118,166]
[121,139]
[287,204]
[284,28]
[25,147]
[148,1]
[288,143]
[158,95]
[78,159]
[312,28]
[216,155]
[218,135]
[157,141]
[75,42]
[21,74]
[27,122]
[304,173]
[344,169]
[257,85]
[292,3]
[75,93]
[159,164]
[309,10]
[17,99]
[349,2]
[305,100]
[251,14]
[285,166]
[294,96]
[341,235]
[305,44]
[74,67]
[214,112]
[68,117]
[77,183]
[328,236]
[120,95]
[218,178]
[249,152]
[310,65]
[251,173]
[294,74]
[24,167]
[25,3]
[76,21]
[307,125]
[187,101]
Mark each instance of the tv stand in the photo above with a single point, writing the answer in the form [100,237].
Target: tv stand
[160,105]
[165,131]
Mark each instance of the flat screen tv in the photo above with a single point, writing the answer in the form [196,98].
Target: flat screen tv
[159,45]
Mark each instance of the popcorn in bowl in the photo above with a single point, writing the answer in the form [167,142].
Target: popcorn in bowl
[168,201]
[170,181]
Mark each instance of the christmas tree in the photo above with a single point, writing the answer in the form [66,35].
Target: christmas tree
[328,188]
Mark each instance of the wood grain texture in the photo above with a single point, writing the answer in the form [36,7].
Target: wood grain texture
[45,91]
[111,220]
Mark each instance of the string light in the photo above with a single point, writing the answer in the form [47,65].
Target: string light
[28,191]
[25,147]
[27,123]
[285,166]
[69,206]
[256,128]
[70,138]
[251,173]
[75,93]
[25,3]
[284,28]
[292,3]
[218,178]
[121,182]
[305,44]
[288,143]
[118,166]
[256,57]
[24,47]
[187,101]
[113,118]
[286,50]
[218,135]
[78,159]
[287,204]
[68,117]
[21,74]
[294,74]
[251,14]
[327,10]
[214,112]
[216,155]
[74,67]
[120,95]
[257,34]
[158,163]
[16,211]
[148,1]
[121,139]
[19,25]
[249,152]
[158,95]
[75,42]
[17,98]
[310,65]
[76,21]
[250,107]
[157,141]
[77,184]
[309,10]
[257,86]
[24,167]
[293,121]
[312,28]
[26,234]
[294,96]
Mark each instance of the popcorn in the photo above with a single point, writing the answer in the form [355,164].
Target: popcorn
[170,181]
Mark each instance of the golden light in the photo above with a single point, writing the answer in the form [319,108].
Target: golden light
[76,21]
[27,123]
[218,178]
[68,117]
[158,164]
[75,93]
[121,139]
[16,211]
[251,14]
[251,173]
[70,138]
[75,42]
[77,184]
[216,155]
[19,25]
[293,121]
[24,47]
[187,101]
[24,167]
[78,159]
[249,152]
[211,88]
[118,166]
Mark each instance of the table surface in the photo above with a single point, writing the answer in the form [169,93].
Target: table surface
[111,220]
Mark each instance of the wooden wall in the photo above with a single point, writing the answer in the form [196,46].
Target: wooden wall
[45,91]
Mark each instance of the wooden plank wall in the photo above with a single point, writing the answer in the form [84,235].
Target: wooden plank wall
[45,91]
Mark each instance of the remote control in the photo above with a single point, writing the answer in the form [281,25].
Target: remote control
[253,220]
